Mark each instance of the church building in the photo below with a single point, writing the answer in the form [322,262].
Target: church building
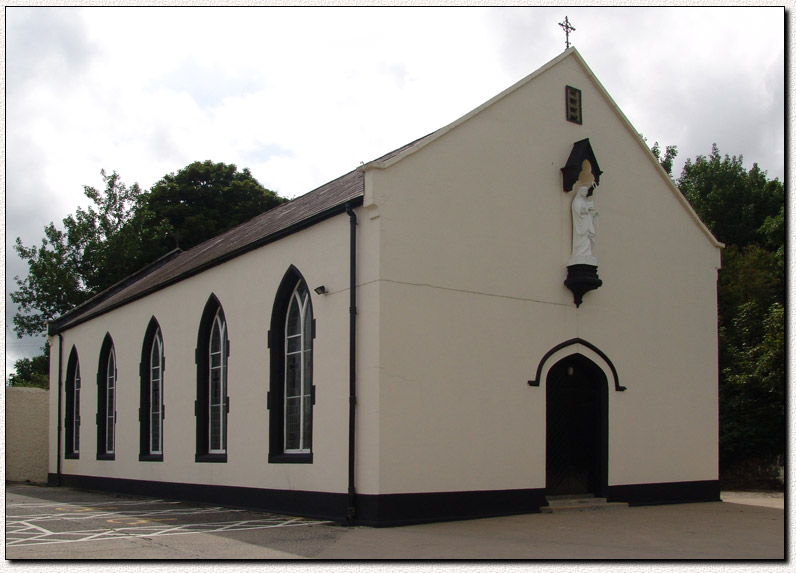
[516,306]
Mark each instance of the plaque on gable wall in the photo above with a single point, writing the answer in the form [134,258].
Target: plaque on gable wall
[582,175]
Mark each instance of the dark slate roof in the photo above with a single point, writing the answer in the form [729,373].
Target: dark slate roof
[324,202]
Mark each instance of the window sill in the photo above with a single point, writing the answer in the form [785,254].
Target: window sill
[282,458]
[211,458]
[150,457]
[107,457]
[71,456]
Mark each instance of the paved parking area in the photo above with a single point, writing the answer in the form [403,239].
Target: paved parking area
[60,523]
[49,523]
[63,523]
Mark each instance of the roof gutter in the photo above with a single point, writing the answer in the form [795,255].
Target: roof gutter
[63,323]
[352,363]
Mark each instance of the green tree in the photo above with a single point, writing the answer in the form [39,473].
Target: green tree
[75,263]
[32,372]
[732,202]
[124,229]
[201,201]
[745,210]
[669,154]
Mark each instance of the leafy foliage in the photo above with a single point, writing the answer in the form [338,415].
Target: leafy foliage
[668,158]
[72,265]
[746,211]
[732,202]
[32,372]
[203,200]
[125,229]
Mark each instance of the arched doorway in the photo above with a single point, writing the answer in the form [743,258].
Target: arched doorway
[577,427]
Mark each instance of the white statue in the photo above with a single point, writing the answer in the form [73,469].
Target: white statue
[584,235]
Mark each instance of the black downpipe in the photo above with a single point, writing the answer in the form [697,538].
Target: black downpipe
[352,372]
[60,393]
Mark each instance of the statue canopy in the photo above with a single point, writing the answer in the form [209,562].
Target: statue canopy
[581,151]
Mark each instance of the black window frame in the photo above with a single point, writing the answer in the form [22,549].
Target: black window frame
[72,414]
[102,399]
[202,403]
[145,454]
[276,394]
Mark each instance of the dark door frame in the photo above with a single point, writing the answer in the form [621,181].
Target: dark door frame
[590,370]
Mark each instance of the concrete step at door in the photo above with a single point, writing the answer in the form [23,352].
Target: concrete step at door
[561,503]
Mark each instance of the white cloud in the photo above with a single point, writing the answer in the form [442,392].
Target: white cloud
[301,96]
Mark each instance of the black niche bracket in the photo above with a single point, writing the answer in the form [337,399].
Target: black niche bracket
[581,279]
[581,150]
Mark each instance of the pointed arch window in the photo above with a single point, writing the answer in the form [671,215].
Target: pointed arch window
[292,393]
[107,376]
[212,400]
[217,385]
[153,410]
[72,420]
[298,372]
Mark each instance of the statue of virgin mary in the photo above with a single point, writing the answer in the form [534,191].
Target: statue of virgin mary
[584,235]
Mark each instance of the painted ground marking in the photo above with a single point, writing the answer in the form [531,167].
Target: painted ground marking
[24,530]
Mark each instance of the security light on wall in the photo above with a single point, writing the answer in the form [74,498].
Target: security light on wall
[321,290]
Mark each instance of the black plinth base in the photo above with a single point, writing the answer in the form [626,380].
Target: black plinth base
[581,279]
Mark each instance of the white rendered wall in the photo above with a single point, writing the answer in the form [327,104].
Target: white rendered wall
[475,238]
[245,287]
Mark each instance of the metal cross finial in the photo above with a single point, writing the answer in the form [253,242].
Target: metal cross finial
[567,28]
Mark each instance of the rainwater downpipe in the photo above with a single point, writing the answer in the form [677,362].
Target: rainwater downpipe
[352,372]
[60,388]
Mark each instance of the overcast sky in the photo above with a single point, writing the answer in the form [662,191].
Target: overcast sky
[303,95]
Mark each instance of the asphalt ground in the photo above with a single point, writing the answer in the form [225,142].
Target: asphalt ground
[62,523]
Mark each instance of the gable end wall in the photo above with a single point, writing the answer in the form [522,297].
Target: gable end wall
[475,238]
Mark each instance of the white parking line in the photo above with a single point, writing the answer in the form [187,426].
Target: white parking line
[78,513]
[30,529]
[94,503]
[16,537]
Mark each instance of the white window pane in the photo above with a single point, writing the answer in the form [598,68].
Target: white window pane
[215,428]
[109,404]
[155,400]
[307,328]
[307,357]
[109,437]
[155,433]
[293,376]
[307,424]
[293,318]
[215,386]
[155,357]
[111,368]
[217,335]
[292,423]
[303,293]
[294,343]
[298,371]
[215,342]
[155,395]
[76,413]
